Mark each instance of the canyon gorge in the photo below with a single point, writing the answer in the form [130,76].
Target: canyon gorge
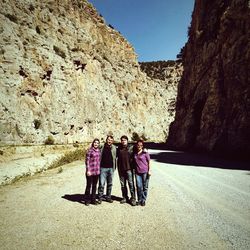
[66,76]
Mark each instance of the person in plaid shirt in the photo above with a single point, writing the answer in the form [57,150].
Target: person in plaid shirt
[92,172]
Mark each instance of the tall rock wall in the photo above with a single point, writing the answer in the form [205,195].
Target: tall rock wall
[213,101]
[169,74]
[65,73]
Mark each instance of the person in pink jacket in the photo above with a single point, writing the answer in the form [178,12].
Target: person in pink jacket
[92,172]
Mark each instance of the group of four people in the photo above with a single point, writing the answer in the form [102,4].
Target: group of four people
[101,162]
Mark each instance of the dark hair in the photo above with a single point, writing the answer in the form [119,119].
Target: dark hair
[124,137]
[96,139]
[141,142]
[109,136]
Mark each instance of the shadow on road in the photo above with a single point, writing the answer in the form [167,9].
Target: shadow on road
[195,159]
[81,198]
[75,197]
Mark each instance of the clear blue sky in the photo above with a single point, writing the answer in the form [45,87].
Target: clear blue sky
[157,29]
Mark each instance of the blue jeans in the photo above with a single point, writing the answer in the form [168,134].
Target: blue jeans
[142,181]
[105,175]
[125,177]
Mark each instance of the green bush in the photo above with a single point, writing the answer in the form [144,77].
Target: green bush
[76,144]
[144,138]
[12,18]
[59,52]
[50,140]
[37,123]
[135,136]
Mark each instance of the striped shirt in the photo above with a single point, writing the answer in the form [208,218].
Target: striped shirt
[93,161]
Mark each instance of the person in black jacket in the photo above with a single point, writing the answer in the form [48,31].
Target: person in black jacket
[108,166]
[125,170]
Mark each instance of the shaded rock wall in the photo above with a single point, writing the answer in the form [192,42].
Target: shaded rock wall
[65,73]
[213,102]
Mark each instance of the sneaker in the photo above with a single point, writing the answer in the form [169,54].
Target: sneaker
[99,201]
[94,202]
[133,202]
[109,200]
[123,201]
[87,203]
[143,203]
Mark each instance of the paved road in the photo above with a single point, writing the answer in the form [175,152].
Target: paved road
[194,203]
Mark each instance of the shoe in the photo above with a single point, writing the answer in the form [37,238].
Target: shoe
[143,203]
[99,201]
[109,200]
[87,203]
[133,202]
[123,201]
[94,202]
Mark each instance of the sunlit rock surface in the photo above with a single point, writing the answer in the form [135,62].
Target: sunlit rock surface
[65,73]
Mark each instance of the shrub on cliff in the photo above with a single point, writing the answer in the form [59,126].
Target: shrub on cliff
[136,137]
[50,140]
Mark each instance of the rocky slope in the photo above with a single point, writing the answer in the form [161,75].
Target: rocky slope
[170,71]
[66,74]
[213,103]
[169,74]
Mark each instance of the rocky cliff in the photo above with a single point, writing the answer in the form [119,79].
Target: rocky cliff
[213,103]
[169,74]
[170,71]
[66,74]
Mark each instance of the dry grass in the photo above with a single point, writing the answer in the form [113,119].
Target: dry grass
[78,154]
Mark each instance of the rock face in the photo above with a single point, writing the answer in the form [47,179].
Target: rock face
[213,102]
[168,73]
[66,74]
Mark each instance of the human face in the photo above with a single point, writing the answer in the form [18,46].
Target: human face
[139,146]
[124,142]
[109,141]
[96,144]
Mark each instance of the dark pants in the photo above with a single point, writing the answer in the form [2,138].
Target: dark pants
[125,177]
[105,176]
[91,183]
